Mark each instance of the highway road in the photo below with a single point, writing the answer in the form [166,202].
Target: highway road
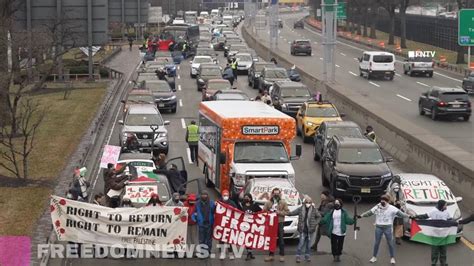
[308,181]
[400,96]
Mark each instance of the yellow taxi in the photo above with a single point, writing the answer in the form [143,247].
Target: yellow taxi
[311,115]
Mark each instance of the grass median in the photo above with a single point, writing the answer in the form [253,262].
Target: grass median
[65,122]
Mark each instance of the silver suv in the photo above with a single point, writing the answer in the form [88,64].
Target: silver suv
[140,121]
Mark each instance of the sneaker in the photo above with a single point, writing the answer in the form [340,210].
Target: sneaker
[338,258]
[298,260]
[392,261]
[373,259]
[269,258]
[231,256]
[282,259]
[222,256]
[249,257]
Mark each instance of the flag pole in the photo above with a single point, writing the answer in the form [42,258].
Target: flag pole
[356,199]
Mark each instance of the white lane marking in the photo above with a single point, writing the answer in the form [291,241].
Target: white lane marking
[343,54]
[188,152]
[422,84]
[178,67]
[183,123]
[180,103]
[403,97]
[398,75]
[352,73]
[355,58]
[375,84]
[315,42]
[179,77]
[359,49]
[179,87]
[338,65]
[321,58]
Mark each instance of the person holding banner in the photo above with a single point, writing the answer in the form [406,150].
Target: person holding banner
[336,221]
[154,200]
[308,220]
[280,207]
[204,217]
[396,194]
[174,201]
[226,200]
[251,207]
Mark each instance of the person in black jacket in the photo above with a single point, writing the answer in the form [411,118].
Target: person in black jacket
[249,206]
[174,177]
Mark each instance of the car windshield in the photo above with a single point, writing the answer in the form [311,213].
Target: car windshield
[360,156]
[199,60]
[140,98]
[454,96]
[158,86]
[244,58]
[218,86]
[302,43]
[260,67]
[210,72]
[276,74]
[421,59]
[231,96]
[260,152]
[295,92]
[383,59]
[322,112]
[143,120]
[343,132]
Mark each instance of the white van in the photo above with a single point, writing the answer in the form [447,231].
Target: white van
[215,13]
[377,64]
[204,14]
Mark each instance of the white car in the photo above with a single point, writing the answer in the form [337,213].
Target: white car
[244,61]
[261,188]
[420,194]
[141,161]
[377,64]
[197,61]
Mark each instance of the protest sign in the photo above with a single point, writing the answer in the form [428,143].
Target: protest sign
[261,191]
[111,155]
[147,228]
[256,231]
[140,193]
[427,190]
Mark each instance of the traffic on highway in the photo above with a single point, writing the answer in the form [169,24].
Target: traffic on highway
[219,152]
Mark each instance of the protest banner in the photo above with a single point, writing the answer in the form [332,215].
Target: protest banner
[256,231]
[261,191]
[111,155]
[427,190]
[140,193]
[147,228]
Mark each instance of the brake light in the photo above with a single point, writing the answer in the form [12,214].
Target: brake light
[442,104]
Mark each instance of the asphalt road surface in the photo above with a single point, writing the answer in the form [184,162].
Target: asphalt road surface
[399,96]
[308,178]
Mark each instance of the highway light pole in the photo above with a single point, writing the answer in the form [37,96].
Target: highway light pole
[274,27]
[329,29]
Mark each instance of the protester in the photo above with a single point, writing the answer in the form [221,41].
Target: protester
[114,202]
[130,42]
[80,184]
[266,98]
[336,221]
[308,220]
[226,200]
[190,202]
[204,217]
[384,216]
[395,195]
[370,134]
[228,74]
[192,138]
[154,200]
[249,206]
[233,65]
[99,199]
[174,201]
[111,173]
[174,177]
[160,162]
[280,207]
[439,213]
[126,203]
[326,206]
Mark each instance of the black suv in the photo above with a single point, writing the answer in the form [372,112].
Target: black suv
[355,166]
[468,83]
[328,129]
[440,101]
[289,96]
[255,71]
[270,75]
[298,24]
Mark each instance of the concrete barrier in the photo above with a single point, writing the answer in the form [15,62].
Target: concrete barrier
[419,149]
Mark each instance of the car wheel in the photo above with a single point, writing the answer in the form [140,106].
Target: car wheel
[430,74]
[173,110]
[206,178]
[434,116]
[316,156]
[305,138]
[412,74]
[333,189]
[466,117]
[420,109]
[324,181]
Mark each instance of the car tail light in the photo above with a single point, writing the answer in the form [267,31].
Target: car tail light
[442,104]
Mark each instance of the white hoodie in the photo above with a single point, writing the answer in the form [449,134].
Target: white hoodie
[384,215]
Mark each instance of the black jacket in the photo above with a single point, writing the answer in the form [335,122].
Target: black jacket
[174,177]
[253,208]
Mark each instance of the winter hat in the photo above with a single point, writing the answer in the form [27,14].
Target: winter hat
[225,192]
[204,192]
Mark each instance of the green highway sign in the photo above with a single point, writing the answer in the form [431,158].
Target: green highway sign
[341,10]
[329,8]
[466,27]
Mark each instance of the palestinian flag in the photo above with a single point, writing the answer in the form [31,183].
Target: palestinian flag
[434,232]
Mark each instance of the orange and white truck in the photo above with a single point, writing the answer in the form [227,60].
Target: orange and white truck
[243,140]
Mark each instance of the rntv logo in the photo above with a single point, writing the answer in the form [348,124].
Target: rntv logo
[412,54]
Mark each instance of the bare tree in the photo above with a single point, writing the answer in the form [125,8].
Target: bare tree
[373,4]
[403,22]
[14,150]
[390,6]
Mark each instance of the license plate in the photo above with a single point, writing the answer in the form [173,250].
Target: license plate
[388,72]
[161,105]
[456,105]
[365,190]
